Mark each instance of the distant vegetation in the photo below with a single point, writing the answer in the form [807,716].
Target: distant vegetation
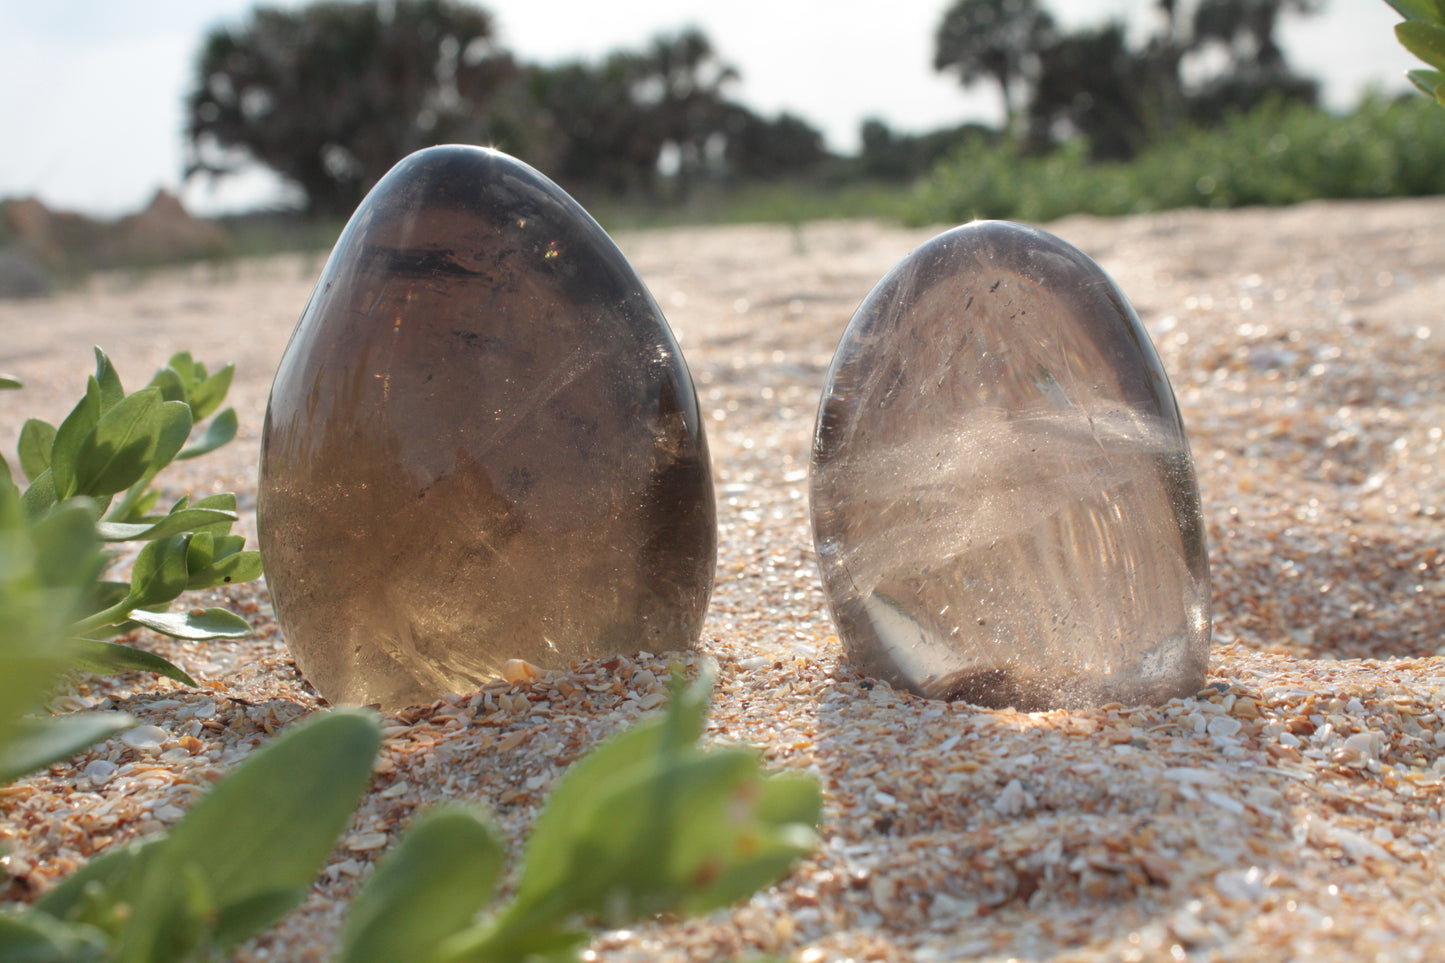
[1204,110]
[1278,153]
[331,95]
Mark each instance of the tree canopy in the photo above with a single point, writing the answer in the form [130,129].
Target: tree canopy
[612,124]
[330,96]
[995,39]
[1092,83]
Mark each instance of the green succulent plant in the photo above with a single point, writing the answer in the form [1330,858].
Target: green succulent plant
[1423,34]
[90,488]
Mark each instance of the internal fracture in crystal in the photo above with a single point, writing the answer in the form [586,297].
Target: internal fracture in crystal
[1003,501]
[482,445]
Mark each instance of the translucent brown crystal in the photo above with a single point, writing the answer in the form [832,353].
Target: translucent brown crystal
[1004,505]
[482,444]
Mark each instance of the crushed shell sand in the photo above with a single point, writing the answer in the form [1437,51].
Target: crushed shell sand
[1290,810]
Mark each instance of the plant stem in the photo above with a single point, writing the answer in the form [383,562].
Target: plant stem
[111,616]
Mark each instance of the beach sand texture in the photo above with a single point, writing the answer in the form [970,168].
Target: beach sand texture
[1292,810]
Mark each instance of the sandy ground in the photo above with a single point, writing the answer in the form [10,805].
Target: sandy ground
[1290,811]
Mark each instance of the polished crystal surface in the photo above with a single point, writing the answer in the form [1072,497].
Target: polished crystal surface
[1004,506]
[482,444]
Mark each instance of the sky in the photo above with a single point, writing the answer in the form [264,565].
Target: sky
[92,91]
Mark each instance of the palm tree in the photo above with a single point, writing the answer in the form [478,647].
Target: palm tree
[995,39]
[332,94]
[680,88]
[1247,28]
[610,124]
[1256,67]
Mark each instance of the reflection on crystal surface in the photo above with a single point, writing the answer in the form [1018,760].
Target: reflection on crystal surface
[482,444]
[1004,506]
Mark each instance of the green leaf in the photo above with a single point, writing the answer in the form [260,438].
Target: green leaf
[35,937]
[111,658]
[569,808]
[34,743]
[763,826]
[201,553]
[642,832]
[185,520]
[264,830]
[183,365]
[175,428]
[111,391]
[213,623]
[233,569]
[489,944]
[681,834]
[1426,80]
[45,568]
[36,439]
[43,571]
[1426,10]
[65,546]
[244,917]
[170,383]
[133,509]
[1424,40]
[32,658]
[39,498]
[426,889]
[106,593]
[208,393]
[207,550]
[72,432]
[222,501]
[221,430]
[129,441]
[91,893]
[9,381]
[160,573]
[226,545]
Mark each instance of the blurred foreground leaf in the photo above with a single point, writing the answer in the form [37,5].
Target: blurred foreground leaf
[647,823]
[243,856]
[428,887]
[34,743]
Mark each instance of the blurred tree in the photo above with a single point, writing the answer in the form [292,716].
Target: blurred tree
[588,134]
[882,155]
[890,156]
[331,95]
[1255,68]
[678,88]
[997,39]
[1247,28]
[760,149]
[612,125]
[1162,59]
[1091,85]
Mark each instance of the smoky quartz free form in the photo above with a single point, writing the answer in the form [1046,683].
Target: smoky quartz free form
[1004,506]
[482,444]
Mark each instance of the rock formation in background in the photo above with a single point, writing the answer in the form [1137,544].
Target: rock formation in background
[38,244]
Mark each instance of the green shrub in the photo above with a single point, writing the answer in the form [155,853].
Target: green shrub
[90,487]
[1276,154]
